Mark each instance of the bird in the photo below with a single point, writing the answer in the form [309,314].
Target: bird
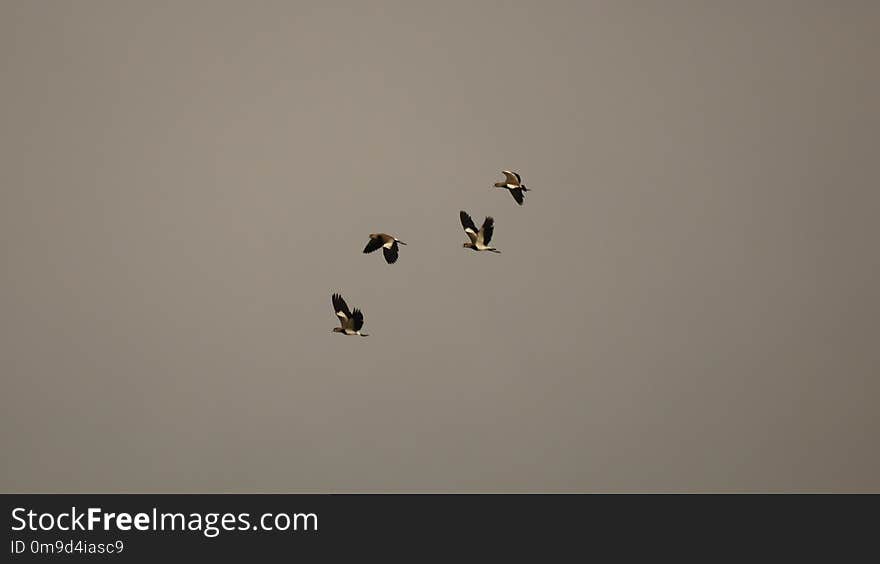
[351,321]
[388,244]
[479,240]
[514,185]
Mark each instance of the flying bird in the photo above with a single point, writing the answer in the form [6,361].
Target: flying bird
[351,321]
[514,184]
[388,244]
[479,240]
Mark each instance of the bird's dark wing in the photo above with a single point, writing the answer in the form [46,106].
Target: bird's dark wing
[517,194]
[340,307]
[390,253]
[357,319]
[374,244]
[467,222]
[487,229]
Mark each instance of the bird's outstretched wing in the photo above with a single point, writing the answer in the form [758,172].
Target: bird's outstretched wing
[487,230]
[468,225]
[390,253]
[357,318]
[373,244]
[512,177]
[517,194]
[341,310]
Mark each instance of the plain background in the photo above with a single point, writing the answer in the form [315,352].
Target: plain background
[688,300]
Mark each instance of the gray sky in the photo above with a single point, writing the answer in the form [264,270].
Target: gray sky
[688,301]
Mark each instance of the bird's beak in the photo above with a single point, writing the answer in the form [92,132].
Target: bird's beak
[401,242]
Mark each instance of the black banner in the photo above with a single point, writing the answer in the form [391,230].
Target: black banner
[136,527]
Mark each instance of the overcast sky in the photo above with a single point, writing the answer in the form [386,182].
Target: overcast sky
[687,301]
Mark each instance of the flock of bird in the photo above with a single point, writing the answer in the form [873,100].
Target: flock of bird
[352,321]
